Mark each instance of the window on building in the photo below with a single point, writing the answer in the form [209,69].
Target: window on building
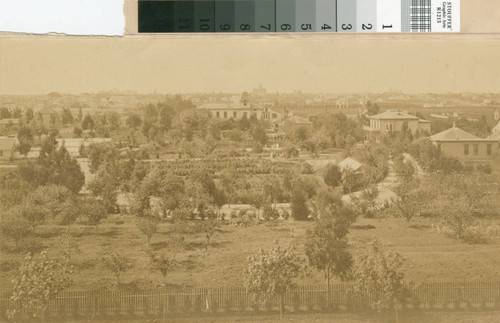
[488,149]
[235,114]
[1,153]
[388,127]
[225,114]
[476,149]
[466,149]
[217,114]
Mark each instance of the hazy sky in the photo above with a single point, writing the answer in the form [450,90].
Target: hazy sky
[76,64]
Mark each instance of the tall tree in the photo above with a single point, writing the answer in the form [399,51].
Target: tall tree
[105,185]
[53,166]
[257,199]
[162,263]
[88,123]
[39,281]
[273,188]
[209,227]
[380,273]
[13,225]
[298,201]
[333,175]
[148,225]
[325,201]
[271,273]
[117,264]
[327,248]
[25,137]
[29,115]
[66,116]
[92,212]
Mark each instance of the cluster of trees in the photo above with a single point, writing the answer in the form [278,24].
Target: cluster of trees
[45,191]
[6,113]
[432,160]
[112,173]
[101,125]
[49,204]
[202,192]
[53,166]
[331,131]
[39,281]
[456,200]
[478,128]
[271,273]
[374,159]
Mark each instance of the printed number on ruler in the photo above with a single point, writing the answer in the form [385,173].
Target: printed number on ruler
[246,16]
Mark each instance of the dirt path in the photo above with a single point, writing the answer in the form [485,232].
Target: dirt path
[385,188]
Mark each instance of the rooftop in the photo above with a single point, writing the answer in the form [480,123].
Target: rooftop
[393,115]
[454,134]
[350,163]
[228,106]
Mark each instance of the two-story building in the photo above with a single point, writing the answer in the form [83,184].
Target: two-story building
[389,121]
[241,110]
[464,146]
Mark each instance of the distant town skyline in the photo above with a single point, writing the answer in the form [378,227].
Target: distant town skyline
[76,65]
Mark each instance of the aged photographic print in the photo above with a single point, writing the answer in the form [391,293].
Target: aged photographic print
[190,179]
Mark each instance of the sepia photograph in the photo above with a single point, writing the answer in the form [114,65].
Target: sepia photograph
[252,179]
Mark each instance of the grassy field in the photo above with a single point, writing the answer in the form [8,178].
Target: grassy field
[429,256]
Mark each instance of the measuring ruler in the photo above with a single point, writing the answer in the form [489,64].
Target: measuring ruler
[305,16]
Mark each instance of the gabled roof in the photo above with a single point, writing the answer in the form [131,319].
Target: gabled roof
[350,163]
[7,143]
[393,115]
[453,134]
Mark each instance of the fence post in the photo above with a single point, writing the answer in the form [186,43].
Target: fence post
[107,304]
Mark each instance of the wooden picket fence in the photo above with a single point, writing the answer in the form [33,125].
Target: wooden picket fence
[168,302]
